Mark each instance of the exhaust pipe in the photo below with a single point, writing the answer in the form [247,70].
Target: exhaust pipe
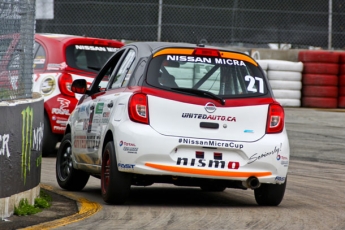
[252,182]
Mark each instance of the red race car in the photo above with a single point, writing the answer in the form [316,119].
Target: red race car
[58,60]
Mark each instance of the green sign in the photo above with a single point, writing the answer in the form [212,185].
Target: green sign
[99,108]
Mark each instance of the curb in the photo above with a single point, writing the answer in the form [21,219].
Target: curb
[86,209]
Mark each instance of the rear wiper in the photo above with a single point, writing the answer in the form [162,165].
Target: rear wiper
[202,93]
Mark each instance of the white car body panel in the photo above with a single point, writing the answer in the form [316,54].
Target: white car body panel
[139,145]
[183,119]
[174,144]
[142,149]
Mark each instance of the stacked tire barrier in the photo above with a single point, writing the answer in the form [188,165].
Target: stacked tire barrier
[320,78]
[285,78]
[341,82]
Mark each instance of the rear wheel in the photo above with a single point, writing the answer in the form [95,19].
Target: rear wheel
[49,139]
[115,185]
[68,177]
[270,194]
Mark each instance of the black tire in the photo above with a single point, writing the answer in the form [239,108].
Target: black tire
[320,102]
[270,194]
[68,177]
[49,139]
[212,188]
[115,185]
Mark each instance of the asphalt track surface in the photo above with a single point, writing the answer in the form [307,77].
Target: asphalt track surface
[314,198]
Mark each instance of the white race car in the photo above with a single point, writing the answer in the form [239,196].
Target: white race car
[176,113]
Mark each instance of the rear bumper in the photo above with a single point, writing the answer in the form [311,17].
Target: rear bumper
[142,150]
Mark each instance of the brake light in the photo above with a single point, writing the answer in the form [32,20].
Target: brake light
[138,108]
[101,43]
[275,119]
[206,52]
[65,84]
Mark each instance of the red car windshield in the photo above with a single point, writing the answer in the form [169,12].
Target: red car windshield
[88,57]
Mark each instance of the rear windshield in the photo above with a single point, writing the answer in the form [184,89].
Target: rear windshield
[221,76]
[88,57]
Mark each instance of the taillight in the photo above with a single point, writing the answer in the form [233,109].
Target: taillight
[275,119]
[138,108]
[65,83]
[101,43]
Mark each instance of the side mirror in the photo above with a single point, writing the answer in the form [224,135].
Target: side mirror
[79,86]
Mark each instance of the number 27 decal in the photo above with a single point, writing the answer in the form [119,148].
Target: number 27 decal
[251,86]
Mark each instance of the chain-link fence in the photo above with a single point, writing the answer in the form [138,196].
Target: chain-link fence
[17,27]
[246,23]
[249,23]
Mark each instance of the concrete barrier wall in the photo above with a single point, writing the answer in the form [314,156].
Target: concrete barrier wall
[21,133]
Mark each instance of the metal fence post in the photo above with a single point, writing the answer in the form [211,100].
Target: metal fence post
[330,10]
[160,4]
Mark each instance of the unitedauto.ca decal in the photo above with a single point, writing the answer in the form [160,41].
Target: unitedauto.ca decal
[208,117]
[210,143]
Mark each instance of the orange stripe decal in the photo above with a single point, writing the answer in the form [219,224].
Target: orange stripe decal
[238,56]
[179,169]
[174,51]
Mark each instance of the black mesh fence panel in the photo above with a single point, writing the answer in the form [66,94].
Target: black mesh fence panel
[17,20]
[301,24]
[248,23]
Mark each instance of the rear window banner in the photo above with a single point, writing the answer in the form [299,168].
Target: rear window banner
[96,48]
[209,60]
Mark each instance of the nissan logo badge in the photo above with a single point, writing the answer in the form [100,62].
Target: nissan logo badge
[210,107]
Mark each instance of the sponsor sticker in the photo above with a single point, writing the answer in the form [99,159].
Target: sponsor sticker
[128,147]
[208,117]
[203,163]
[209,60]
[63,110]
[59,128]
[283,160]
[125,166]
[99,108]
[258,156]
[210,143]
[279,178]
[96,48]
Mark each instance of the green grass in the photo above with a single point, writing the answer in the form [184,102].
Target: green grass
[24,208]
[4,95]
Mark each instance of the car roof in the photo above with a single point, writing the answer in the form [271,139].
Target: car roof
[66,38]
[156,46]
[55,37]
